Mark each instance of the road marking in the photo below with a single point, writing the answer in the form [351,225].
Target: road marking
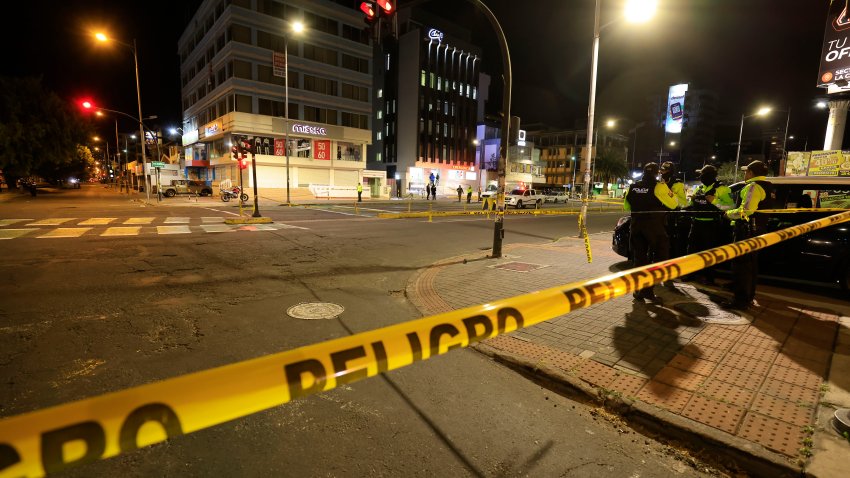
[173,230]
[208,220]
[217,228]
[177,220]
[122,231]
[13,233]
[225,212]
[9,222]
[139,220]
[335,212]
[97,221]
[51,221]
[65,232]
[290,226]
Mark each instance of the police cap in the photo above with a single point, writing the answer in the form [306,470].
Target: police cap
[708,170]
[757,167]
[650,169]
[667,166]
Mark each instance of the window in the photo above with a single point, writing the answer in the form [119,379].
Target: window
[242,69]
[359,93]
[220,76]
[275,9]
[320,115]
[270,107]
[202,91]
[200,64]
[219,42]
[354,120]
[321,24]
[320,85]
[422,78]
[266,75]
[273,42]
[354,63]
[360,35]
[380,114]
[378,136]
[347,151]
[239,33]
[380,93]
[317,53]
[244,104]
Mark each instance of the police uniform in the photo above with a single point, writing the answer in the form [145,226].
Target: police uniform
[359,192]
[708,203]
[648,200]
[754,196]
[678,225]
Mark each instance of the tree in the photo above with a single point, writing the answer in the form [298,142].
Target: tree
[726,173]
[39,132]
[610,165]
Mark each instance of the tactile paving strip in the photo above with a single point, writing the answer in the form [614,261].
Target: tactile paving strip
[671,398]
[757,353]
[726,392]
[521,347]
[738,377]
[563,360]
[628,385]
[767,331]
[818,368]
[714,413]
[771,433]
[756,367]
[679,378]
[597,374]
[782,410]
[712,341]
[790,392]
[722,332]
[694,365]
[803,378]
[808,352]
[759,341]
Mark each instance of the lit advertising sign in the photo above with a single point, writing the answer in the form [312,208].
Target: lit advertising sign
[434,34]
[321,149]
[190,138]
[675,108]
[307,129]
[212,129]
[835,54]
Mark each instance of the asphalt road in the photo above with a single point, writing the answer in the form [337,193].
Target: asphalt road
[152,292]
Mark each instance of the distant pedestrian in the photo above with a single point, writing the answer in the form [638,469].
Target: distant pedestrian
[437,181]
[459,192]
[479,193]
[432,178]
[359,192]
[468,194]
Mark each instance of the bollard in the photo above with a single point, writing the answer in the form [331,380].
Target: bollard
[409,203]
[356,211]
[429,212]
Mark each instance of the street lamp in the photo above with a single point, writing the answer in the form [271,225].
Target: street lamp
[103,38]
[636,11]
[761,112]
[296,27]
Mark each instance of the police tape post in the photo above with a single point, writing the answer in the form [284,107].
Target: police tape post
[57,438]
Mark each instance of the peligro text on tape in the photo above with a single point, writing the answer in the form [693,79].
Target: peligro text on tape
[54,439]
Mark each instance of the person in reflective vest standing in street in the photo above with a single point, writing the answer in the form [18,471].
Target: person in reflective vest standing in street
[709,201]
[649,200]
[359,192]
[755,195]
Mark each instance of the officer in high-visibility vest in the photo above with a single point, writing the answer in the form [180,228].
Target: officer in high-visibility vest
[359,192]
[649,200]
[756,194]
[468,194]
[677,224]
[709,201]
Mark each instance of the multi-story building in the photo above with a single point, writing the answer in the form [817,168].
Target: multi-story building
[426,106]
[233,91]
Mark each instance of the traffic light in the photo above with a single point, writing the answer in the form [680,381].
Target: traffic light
[369,9]
[243,163]
[234,153]
[386,6]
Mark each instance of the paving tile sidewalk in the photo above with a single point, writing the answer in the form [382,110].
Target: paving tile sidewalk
[749,381]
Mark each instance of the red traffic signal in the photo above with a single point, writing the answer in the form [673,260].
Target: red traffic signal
[234,153]
[243,164]
[386,5]
[369,9]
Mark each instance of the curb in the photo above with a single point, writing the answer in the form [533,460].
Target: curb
[249,220]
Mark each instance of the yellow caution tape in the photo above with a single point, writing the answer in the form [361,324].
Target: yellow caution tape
[60,437]
[532,212]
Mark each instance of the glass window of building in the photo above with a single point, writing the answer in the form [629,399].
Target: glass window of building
[359,93]
[275,42]
[244,104]
[275,9]
[357,34]
[266,75]
[322,24]
[323,55]
[242,69]
[353,63]
[347,152]
[320,85]
[240,33]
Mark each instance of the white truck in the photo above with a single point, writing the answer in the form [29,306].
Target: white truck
[519,198]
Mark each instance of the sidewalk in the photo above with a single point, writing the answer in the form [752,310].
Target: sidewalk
[747,387]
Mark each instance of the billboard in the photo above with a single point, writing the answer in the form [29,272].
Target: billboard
[675,108]
[825,163]
[835,54]
[797,163]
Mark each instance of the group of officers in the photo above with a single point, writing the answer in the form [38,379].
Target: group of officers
[701,223]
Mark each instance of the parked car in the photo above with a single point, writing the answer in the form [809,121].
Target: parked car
[556,196]
[821,256]
[519,198]
[184,186]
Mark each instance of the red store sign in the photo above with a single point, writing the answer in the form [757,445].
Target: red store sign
[321,149]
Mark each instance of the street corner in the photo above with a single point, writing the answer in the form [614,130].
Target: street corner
[248,220]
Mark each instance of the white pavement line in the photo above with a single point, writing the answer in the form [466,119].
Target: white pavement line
[173,230]
[65,232]
[290,226]
[51,221]
[335,212]
[177,220]
[9,222]
[13,233]
[225,212]
[215,219]
[122,231]
[217,228]
[97,221]
[139,220]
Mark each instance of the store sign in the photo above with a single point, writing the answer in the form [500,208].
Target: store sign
[278,147]
[321,149]
[307,129]
[190,138]
[835,54]
[675,108]
[520,139]
[434,34]
[278,64]
[829,163]
[462,168]
[212,129]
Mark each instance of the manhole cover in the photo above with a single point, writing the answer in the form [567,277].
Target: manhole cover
[519,266]
[712,314]
[315,311]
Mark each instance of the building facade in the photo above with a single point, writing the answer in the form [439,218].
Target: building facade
[232,77]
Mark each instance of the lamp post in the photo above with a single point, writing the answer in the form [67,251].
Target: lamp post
[637,11]
[103,38]
[761,112]
[297,27]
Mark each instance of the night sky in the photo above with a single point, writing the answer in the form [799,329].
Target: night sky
[751,52]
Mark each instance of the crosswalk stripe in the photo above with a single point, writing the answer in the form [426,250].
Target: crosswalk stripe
[13,233]
[9,222]
[65,232]
[173,230]
[217,228]
[208,219]
[51,221]
[122,231]
[97,221]
[177,220]
[139,220]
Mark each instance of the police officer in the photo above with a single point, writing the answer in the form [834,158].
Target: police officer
[648,200]
[709,200]
[468,194]
[359,192]
[677,225]
[755,195]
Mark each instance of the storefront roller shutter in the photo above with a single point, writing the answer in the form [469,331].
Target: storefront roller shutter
[345,178]
[308,176]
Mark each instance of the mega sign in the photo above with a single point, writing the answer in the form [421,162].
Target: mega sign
[835,54]
[675,108]
[307,129]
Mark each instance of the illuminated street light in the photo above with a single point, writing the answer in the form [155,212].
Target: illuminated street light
[611,123]
[295,27]
[672,143]
[822,104]
[761,112]
[640,11]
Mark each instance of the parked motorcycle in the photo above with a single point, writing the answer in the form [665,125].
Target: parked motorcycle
[234,192]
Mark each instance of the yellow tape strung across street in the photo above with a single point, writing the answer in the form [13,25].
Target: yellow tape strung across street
[532,212]
[54,439]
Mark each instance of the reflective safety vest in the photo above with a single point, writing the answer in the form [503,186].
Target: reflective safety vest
[700,203]
[359,188]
